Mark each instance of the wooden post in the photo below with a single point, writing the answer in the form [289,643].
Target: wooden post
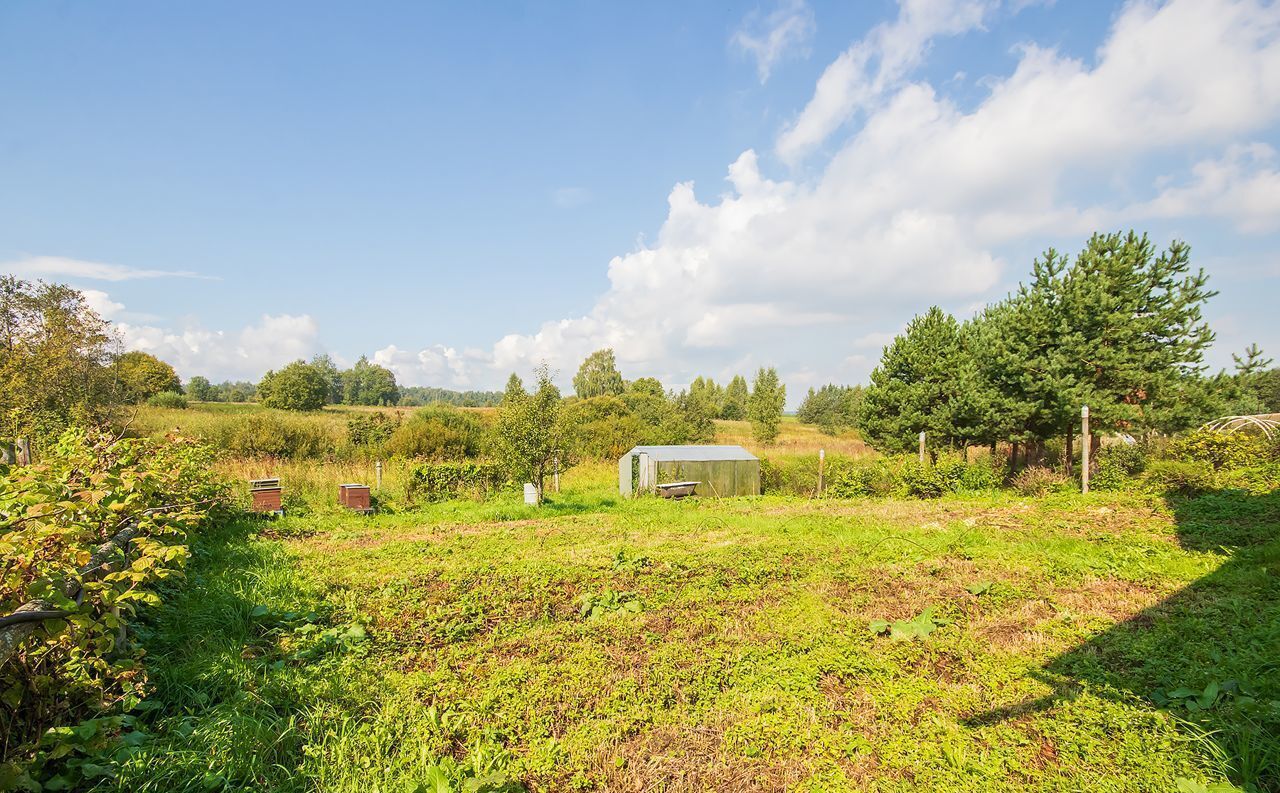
[23,452]
[922,448]
[377,473]
[557,473]
[822,470]
[1084,449]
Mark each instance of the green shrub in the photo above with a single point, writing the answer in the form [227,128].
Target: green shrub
[1037,480]
[925,481]
[1117,466]
[168,399]
[1179,476]
[371,429]
[794,475]
[988,473]
[437,432]
[270,434]
[1221,449]
[444,480]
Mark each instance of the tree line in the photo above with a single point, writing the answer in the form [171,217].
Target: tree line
[1119,328]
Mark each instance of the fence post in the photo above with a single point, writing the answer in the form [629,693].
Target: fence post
[557,473]
[822,469]
[377,472]
[922,448]
[1085,443]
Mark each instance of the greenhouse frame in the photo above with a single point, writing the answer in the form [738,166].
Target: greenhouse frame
[719,471]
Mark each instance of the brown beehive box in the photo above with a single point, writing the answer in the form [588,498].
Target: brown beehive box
[354,496]
[266,495]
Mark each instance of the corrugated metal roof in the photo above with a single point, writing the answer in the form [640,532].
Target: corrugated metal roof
[694,453]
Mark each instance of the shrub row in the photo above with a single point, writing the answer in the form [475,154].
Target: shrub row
[880,476]
[445,480]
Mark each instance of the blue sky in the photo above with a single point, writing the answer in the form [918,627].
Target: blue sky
[461,191]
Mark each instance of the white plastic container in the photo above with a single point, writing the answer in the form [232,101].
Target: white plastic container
[530,493]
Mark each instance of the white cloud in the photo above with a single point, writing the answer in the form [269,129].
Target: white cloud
[61,266]
[896,48]
[916,204]
[433,366]
[783,33]
[247,353]
[1242,186]
[102,304]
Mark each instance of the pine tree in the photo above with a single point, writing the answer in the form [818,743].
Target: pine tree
[918,385]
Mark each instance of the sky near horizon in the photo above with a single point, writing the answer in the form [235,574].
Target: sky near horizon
[462,190]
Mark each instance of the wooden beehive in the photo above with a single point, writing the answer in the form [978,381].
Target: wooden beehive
[266,495]
[354,496]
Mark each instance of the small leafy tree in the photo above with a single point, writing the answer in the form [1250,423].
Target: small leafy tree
[367,383]
[530,432]
[142,376]
[333,375]
[200,389]
[734,407]
[832,408]
[764,408]
[298,386]
[598,376]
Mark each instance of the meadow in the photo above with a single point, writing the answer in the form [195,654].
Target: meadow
[1113,642]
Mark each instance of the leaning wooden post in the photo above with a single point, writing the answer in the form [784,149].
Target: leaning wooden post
[822,469]
[922,448]
[1085,443]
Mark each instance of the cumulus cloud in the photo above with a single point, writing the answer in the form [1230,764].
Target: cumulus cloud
[878,62]
[783,33]
[63,267]
[434,366]
[914,205]
[246,353]
[1243,186]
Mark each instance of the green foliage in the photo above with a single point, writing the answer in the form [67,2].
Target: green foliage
[371,429]
[765,405]
[142,375]
[269,434]
[592,607]
[530,434]
[736,395]
[86,490]
[916,628]
[831,408]
[438,432]
[1186,478]
[298,386]
[367,383]
[55,356]
[168,399]
[1038,480]
[602,427]
[1117,466]
[923,384]
[417,396]
[441,481]
[201,390]
[1222,449]
[598,376]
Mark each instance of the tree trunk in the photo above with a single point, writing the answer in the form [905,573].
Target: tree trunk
[1068,462]
[1013,457]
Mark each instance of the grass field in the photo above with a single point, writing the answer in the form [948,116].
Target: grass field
[646,645]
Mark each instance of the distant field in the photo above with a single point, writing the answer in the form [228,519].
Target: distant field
[341,653]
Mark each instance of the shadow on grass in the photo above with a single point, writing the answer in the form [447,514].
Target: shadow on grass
[1210,653]
[222,717]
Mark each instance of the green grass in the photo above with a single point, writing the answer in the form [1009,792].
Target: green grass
[337,653]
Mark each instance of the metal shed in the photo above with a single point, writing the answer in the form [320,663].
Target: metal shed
[718,470]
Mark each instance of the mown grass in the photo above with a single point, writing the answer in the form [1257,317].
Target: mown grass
[450,642]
